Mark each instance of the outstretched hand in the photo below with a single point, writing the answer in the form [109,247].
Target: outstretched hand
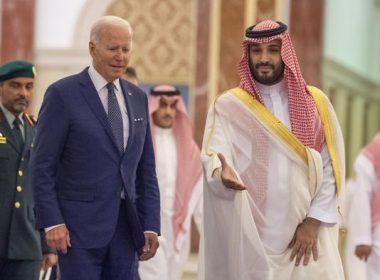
[228,175]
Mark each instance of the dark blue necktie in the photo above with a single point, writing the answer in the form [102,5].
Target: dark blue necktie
[114,117]
[17,134]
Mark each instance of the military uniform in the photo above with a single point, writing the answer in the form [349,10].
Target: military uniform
[21,245]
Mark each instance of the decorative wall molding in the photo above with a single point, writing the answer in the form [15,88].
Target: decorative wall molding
[340,76]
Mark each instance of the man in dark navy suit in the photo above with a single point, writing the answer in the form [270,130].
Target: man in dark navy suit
[93,168]
[21,246]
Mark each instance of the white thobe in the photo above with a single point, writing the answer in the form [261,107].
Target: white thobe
[282,189]
[323,206]
[360,215]
[168,264]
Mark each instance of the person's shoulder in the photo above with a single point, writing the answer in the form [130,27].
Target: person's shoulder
[224,96]
[315,91]
[131,88]
[318,95]
[71,80]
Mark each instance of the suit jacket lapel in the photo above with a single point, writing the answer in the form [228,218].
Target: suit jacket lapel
[92,98]
[6,131]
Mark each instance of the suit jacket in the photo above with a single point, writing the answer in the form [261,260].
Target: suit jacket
[18,237]
[78,172]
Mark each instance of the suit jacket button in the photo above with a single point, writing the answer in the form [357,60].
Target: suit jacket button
[19,188]
[20,173]
[17,204]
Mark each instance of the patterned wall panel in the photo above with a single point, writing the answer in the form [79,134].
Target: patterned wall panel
[164,38]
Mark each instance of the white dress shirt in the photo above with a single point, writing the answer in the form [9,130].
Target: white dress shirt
[101,87]
[10,118]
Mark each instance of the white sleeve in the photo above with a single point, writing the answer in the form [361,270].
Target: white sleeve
[323,206]
[216,141]
[198,209]
[360,213]
[52,227]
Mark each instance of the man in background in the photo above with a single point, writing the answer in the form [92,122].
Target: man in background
[23,249]
[365,208]
[130,75]
[179,173]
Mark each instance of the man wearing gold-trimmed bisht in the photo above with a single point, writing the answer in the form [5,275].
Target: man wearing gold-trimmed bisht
[274,160]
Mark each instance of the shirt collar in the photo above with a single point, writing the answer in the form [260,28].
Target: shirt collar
[10,117]
[278,88]
[98,80]
[163,131]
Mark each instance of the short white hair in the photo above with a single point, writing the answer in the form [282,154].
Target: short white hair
[104,21]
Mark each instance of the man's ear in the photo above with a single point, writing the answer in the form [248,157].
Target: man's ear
[91,47]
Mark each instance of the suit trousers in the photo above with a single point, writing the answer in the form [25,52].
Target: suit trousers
[19,269]
[115,261]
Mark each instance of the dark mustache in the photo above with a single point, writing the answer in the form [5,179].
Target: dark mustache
[264,64]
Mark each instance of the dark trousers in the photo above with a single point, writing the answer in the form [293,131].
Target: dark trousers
[19,269]
[112,262]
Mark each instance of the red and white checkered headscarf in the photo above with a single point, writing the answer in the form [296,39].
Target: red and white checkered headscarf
[304,117]
[189,167]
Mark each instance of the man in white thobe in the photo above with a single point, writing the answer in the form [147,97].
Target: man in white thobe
[274,161]
[179,173]
[365,209]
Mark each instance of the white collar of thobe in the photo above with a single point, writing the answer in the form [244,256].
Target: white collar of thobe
[163,131]
[272,90]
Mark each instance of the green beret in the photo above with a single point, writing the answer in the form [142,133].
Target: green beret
[17,68]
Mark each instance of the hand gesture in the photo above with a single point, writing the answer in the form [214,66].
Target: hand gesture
[304,241]
[229,177]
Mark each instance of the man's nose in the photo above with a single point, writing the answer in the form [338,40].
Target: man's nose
[24,91]
[265,56]
[119,55]
[169,111]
